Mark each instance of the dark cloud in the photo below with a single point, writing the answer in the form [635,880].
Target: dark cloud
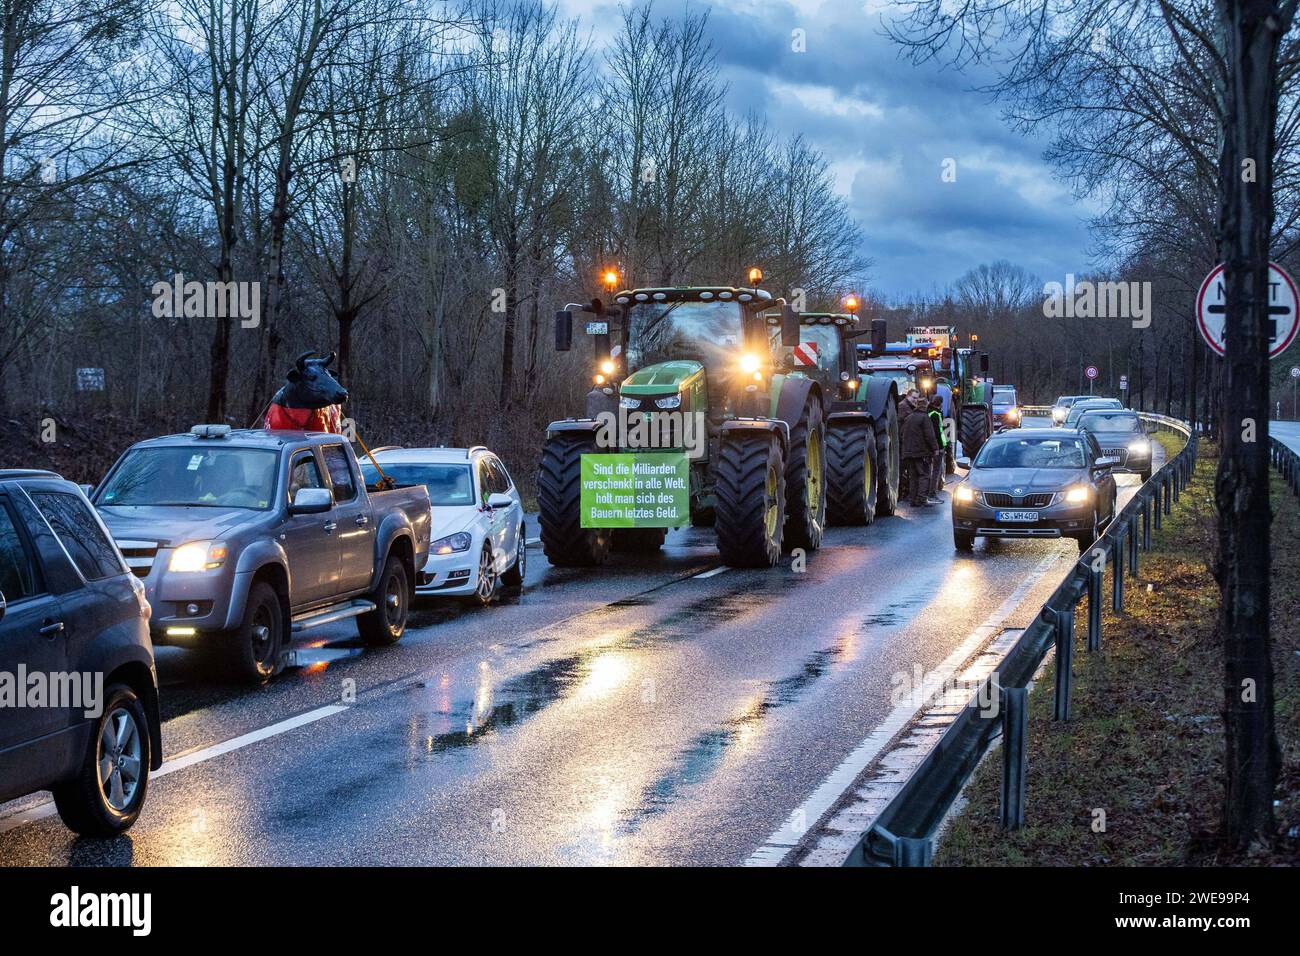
[887,125]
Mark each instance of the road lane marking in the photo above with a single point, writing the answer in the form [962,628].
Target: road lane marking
[811,812]
[47,809]
[710,573]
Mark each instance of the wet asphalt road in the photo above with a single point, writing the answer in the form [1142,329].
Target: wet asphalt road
[647,713]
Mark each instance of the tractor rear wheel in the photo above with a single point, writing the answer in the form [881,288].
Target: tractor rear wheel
[639,540]
[559,502]
[974,428]
[805,480]
[750,499]
[889,464]
[851,484]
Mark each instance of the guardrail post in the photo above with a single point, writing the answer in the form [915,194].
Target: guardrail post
[1015,724]
[1146,524]
[1158,503]
[1064,621]
[1132,535]
[1169,494]
[912,851]
[1095,575]
[1117,574]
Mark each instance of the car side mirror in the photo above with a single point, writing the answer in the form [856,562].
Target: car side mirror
[1106,463]
[563,330]
[498,500]
[963,463]
[311,501]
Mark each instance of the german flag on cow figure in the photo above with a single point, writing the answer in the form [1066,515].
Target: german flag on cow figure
[311,400]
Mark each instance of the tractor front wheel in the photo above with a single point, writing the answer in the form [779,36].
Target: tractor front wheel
[851,484]
[805,480]
[889,463]
[975,427]
[559,503]
[750,512]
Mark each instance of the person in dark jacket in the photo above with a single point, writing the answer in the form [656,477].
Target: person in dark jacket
[918,448]
[940,457]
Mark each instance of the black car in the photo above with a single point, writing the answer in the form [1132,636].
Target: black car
[1122,436]
[78,689]
[1035,483]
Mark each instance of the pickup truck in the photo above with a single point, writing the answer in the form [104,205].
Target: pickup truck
[244,538]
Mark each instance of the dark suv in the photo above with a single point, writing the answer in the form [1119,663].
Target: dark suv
[78,689]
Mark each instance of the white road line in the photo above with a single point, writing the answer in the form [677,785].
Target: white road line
[808,815]
[710,573]
[46,809]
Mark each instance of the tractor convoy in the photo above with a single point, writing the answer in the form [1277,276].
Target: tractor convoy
[797,420]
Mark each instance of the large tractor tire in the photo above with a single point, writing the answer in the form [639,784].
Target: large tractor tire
[889,464]
[639,540]
[851,482]
[750,512]
[805,480]
[559,482]
[974,428]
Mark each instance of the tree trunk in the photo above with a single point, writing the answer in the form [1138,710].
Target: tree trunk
[1249,36]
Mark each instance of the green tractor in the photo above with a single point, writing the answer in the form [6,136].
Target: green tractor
[759,472]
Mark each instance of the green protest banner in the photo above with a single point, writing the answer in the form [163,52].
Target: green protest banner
[635,490]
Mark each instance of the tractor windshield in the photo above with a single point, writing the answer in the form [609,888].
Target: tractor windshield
[826,342]
[711,333]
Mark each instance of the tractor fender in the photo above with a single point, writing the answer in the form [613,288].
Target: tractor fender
[792,398]
[879,391]
[850,417]
[573,425]
[770,425]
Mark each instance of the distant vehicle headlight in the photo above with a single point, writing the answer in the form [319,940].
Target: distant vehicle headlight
[670,401]
[1013,412]
[460,541]
[1058,414]
[1078,494]
[198,556]
[627,401]
[964,494]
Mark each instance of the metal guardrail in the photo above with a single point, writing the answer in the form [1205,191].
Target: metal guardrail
[903,833]
[1286,462]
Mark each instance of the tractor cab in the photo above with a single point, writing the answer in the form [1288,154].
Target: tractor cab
[825,350]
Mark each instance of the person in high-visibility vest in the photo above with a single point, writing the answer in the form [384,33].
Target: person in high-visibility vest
[940,456]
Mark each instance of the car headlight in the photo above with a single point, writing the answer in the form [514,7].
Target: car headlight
[964,494]
[1013,412]
[1078,494]
[460,541]
[1139,446]
[198,556]
[628,402]
[670,401]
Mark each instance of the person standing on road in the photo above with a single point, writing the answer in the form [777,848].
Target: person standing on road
[919,447]
[941,456]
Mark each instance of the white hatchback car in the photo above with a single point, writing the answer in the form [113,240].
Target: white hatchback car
[477,538]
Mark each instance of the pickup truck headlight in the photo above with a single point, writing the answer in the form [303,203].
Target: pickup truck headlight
[460,541]
[1078,494]
[198,556]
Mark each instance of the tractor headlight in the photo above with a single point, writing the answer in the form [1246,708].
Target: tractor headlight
[198,556]
[964,493]
[627,401]
[1078,494]
[460,541]
[607,367]
[750,363]
[669,401]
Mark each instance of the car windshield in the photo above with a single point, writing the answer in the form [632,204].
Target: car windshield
[712,333]
[193,477]
[1065,401]
[1032,453]
[1099,422]
[1004,397]
[448,485]
[1082,408]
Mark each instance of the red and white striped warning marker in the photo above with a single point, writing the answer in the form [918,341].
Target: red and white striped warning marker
[805,353]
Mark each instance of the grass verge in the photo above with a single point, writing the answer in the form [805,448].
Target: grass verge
[1143,752]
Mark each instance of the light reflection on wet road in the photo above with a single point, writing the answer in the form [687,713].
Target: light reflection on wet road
[635,715]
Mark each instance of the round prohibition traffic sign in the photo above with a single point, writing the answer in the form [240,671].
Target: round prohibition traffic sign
[1091,371]
[1283,310]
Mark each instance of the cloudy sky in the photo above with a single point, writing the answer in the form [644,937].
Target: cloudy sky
[887,126]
